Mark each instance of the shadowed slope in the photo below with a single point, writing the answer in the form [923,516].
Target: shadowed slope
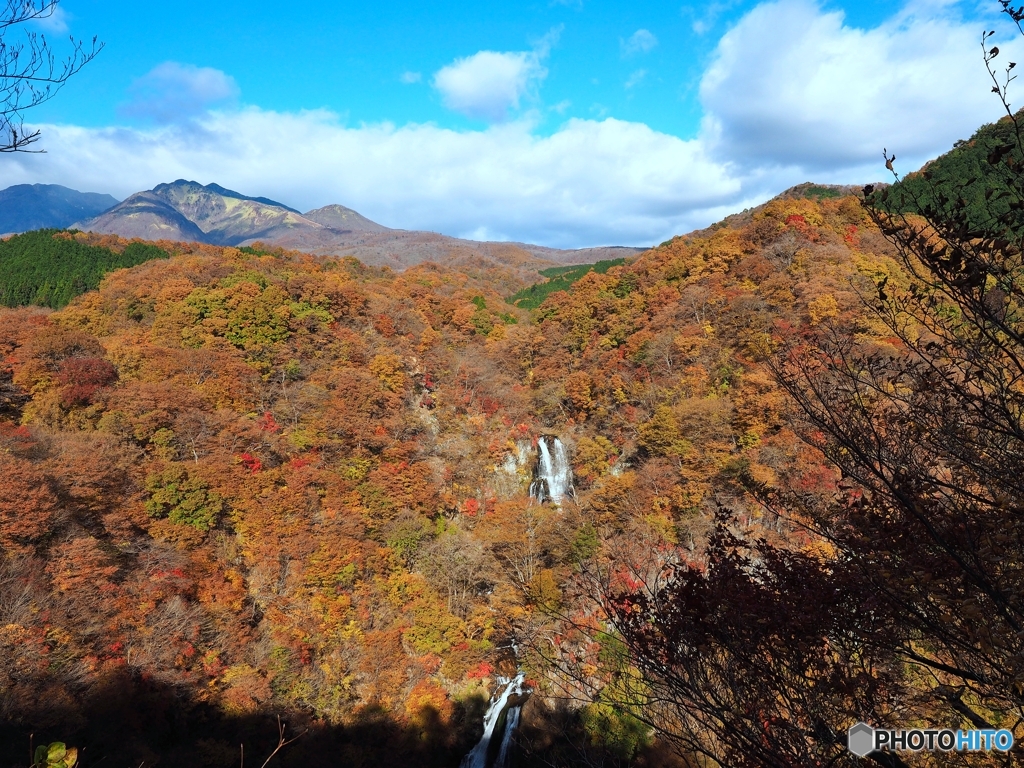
[24,207]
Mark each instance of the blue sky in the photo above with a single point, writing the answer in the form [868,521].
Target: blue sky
[564,122]
[350,57]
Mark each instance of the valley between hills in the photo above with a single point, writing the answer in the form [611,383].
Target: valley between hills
[710,505]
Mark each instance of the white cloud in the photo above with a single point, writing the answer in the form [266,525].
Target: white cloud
[173,92]
[792,94]
[410,77]
[793,85]
[636,78]
[488,84]
[588,183]
[641,41]
[56,22]
[705,17]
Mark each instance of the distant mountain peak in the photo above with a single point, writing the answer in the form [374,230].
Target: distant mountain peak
[344,219]
[217,189]
[206,213]
[25,207]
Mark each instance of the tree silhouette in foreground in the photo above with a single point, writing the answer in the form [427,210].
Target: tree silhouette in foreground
[30,73]
[126,720]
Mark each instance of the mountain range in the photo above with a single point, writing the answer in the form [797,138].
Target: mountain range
[192,212]
[37,206]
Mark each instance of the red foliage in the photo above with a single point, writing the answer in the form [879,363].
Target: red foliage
[250,462]
[384,326]
[176,573]
[489,405]
[268,424]
[800,224]
[481,670]
[9,430]
[430,663]
[81,377]
[16,439]
[820,479]
[28,503]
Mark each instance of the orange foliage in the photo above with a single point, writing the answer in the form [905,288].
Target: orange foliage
[372,438]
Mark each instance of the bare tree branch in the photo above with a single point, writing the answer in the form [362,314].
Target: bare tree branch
[30,72]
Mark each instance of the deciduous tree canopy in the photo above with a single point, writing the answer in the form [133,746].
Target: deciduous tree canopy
[267,482]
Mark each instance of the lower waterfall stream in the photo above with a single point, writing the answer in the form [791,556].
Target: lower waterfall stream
[484,754]
[552,482]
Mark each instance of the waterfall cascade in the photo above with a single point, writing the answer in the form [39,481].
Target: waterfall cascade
[478,757]
[553,480]
[511,723]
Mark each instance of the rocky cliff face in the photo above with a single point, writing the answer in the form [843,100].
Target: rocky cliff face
[147,216]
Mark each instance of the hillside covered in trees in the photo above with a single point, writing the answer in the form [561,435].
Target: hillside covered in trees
[242,485]
[748,499]
[49,267]
[558,279]
[978,176]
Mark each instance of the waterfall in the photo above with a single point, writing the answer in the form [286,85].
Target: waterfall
[553,479]
[478,757]
[511,723]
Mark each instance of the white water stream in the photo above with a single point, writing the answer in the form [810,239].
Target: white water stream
[554,474]
[477,758]
[511,723]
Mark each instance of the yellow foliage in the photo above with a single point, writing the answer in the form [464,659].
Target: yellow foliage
[578,390]
[822,308]
[591,456]
[782,209]
[247,688]
[389,370]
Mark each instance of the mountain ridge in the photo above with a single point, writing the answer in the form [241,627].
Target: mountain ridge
[25,207]
[219,216]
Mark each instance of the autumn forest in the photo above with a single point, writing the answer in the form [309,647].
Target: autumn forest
[256,500]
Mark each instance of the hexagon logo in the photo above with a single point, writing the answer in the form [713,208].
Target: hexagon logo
[860,739]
